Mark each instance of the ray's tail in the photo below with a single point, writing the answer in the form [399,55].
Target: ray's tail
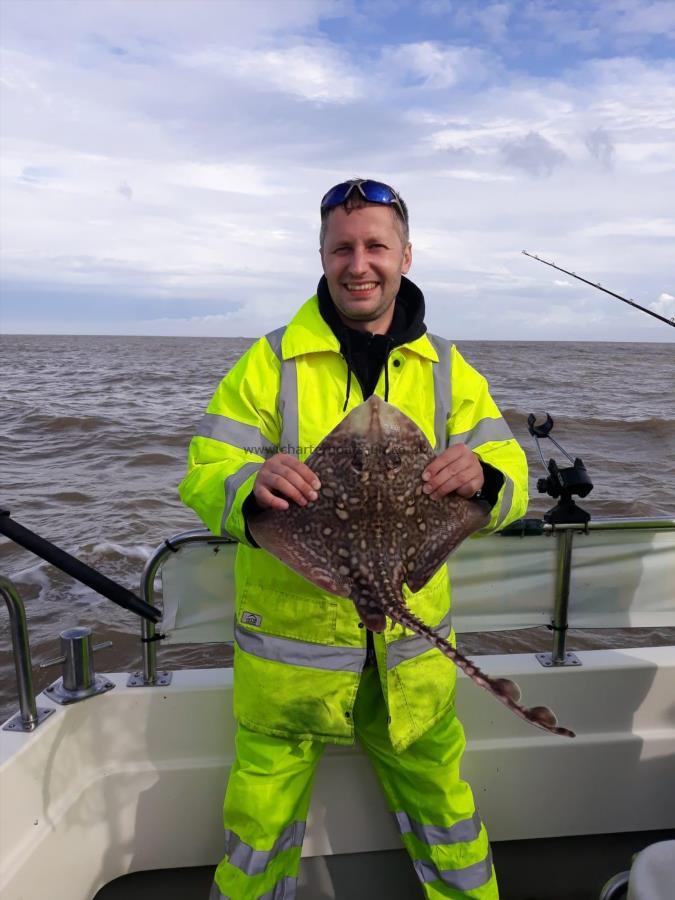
[505,690]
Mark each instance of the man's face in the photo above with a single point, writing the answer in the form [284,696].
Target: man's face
[363,258]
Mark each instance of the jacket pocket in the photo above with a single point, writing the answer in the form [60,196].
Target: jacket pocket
[433,601]
[301,618]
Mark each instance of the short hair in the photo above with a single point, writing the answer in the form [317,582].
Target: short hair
[356,200]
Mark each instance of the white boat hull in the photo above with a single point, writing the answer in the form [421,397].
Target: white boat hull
[133,779]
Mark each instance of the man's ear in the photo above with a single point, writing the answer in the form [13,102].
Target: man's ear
[407,259]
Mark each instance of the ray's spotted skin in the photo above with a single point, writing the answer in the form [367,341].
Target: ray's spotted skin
[372,529]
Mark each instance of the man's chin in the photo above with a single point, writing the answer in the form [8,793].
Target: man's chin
[362,311]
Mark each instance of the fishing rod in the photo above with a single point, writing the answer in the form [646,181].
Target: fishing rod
[601,288]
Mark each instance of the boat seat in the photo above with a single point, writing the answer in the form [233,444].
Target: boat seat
[651,876]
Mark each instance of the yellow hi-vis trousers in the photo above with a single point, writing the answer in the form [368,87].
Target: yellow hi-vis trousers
[269,791]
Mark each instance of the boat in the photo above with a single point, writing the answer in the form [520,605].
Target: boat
[112,784]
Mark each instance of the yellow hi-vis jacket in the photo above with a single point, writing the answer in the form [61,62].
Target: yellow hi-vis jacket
[299,651]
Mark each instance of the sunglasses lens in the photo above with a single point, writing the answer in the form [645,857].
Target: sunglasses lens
[377,192]
[336,195]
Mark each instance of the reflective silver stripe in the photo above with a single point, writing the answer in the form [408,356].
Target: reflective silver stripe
[442,390]
[482,432]
[300,653]
[409,647]
[507,500]
[284,889]
[461,832]
[288,407]
[229,431]
[215,893]
[466,879]
[288,395]
[232,485]
[274,339]
[254,862]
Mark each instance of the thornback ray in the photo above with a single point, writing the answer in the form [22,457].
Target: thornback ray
[372,529]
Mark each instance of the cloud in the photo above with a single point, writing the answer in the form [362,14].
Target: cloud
[646,18]
[494,18]
[600,147]
[313,72]
[664,306]
[432,65]
[533,153]
[632,227]
[39,174]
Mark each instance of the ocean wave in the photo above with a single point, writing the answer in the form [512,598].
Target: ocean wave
[657,425]
[41,422]
[71,497]
[150,459]
[110,550]
[34,582]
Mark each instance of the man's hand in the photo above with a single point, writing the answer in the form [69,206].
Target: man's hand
[455,469]
[283,474]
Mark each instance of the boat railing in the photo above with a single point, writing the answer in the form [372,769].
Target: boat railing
[564,535]
[29,716]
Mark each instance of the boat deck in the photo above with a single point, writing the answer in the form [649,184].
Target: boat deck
[572,868]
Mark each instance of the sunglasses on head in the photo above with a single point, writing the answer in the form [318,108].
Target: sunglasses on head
[371,191]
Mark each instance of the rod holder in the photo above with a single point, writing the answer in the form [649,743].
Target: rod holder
[78,679]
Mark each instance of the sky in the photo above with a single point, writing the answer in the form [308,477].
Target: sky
[163,160]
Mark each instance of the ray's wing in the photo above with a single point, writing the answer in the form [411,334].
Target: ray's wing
[292,537]
[446,523]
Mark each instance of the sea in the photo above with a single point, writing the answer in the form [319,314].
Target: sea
[95,431]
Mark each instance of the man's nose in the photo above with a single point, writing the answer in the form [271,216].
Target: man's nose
[358,263]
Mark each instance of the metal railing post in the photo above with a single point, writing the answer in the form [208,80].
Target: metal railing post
[149,639]
[558,656]
[562,595]
[149,676]
[29,716]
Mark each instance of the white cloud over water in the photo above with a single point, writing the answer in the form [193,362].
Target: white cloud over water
[163,160]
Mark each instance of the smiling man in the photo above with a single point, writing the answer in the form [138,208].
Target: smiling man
[306,674]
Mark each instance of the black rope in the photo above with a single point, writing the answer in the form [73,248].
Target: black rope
[151,640]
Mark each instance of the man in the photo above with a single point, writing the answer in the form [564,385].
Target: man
[306,674]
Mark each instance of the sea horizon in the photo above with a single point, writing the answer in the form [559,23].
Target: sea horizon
[252,337]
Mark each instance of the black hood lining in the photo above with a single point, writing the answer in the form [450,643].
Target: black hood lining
[366,353]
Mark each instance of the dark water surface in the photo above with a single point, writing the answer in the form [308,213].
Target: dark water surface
[95,432]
